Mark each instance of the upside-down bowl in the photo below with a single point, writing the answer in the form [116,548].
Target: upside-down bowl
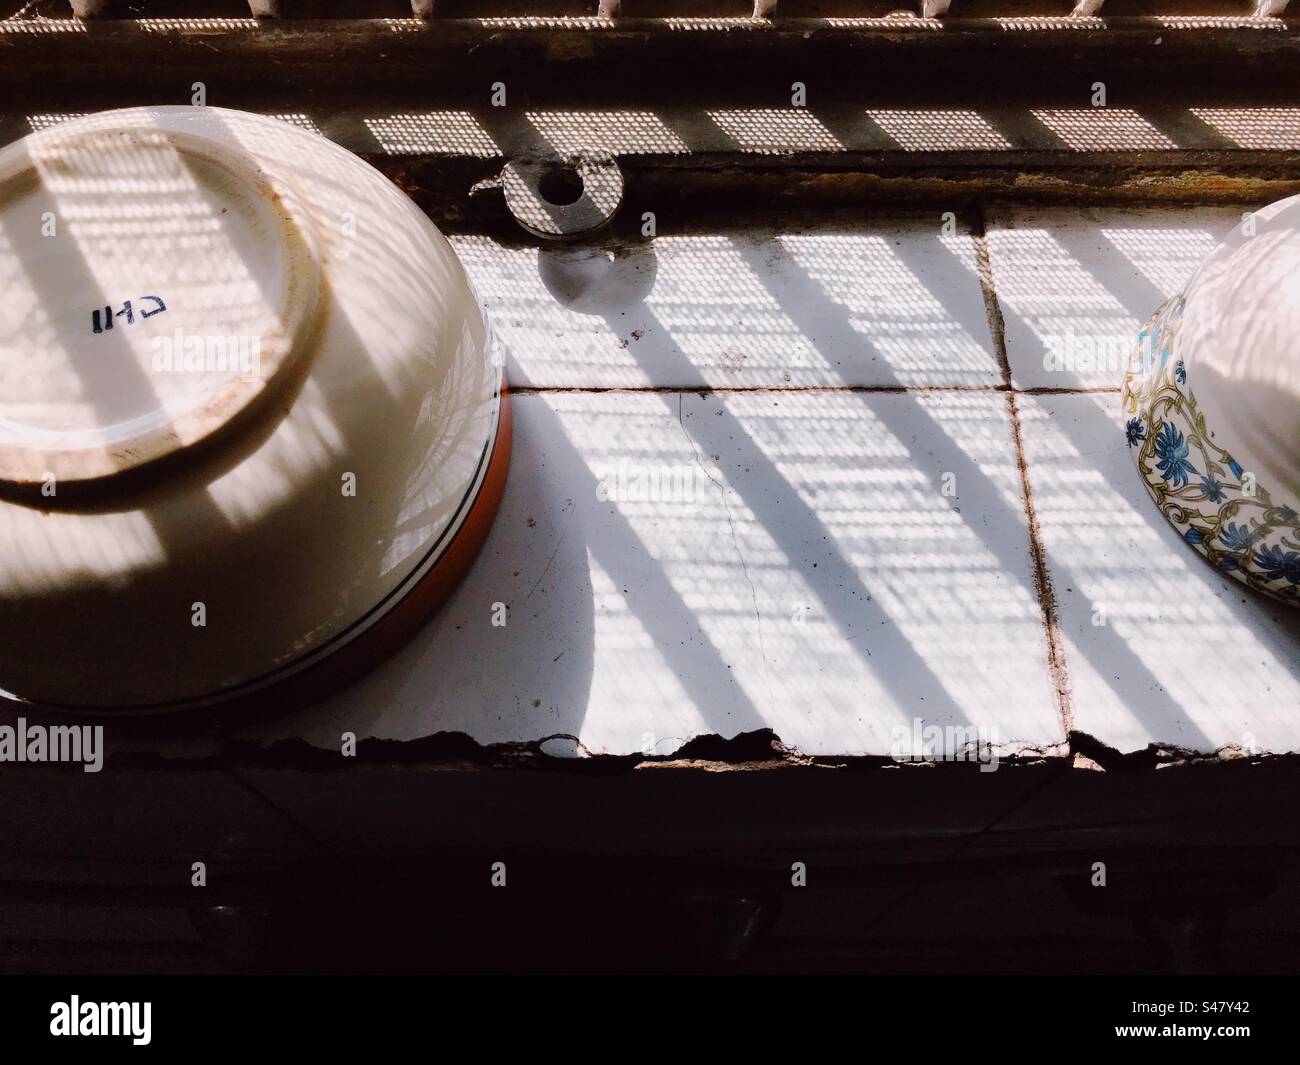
[252,424]
[1212,404]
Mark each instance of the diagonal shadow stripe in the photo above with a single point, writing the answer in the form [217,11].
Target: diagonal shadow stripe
[1113,654]
[671,626]
[792,524]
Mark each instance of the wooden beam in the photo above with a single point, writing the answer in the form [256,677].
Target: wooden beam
[962,57]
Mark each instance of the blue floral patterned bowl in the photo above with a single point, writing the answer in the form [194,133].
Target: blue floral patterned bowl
[1212,405]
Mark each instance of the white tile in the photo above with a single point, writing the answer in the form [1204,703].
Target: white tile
[756,561]
[1185,656]
[893,304]
[1076,284]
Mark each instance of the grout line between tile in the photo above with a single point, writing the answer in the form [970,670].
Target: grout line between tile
[776,390]
[1056,661]
[1056,664]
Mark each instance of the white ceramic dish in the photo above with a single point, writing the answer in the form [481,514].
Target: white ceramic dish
[1212,404]
[250,413]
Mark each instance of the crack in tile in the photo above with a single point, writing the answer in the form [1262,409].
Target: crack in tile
[735,540]
[563,533]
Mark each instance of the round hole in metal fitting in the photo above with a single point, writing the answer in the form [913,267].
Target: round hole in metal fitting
[560,185]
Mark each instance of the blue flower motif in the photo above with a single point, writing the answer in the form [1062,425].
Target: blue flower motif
[1285,513]
[1193,536]
[1227,563]
[1237,537]
[1213,489]
[1234,466]
[1135,432]
[1279,564]
[1180,372]
[1171,451]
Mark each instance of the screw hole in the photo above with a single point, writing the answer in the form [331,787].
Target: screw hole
[560,186]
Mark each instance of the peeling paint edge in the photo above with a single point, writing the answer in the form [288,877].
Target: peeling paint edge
[760,750]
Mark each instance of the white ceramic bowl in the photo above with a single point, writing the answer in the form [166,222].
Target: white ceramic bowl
[1212,404]
[251,418]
